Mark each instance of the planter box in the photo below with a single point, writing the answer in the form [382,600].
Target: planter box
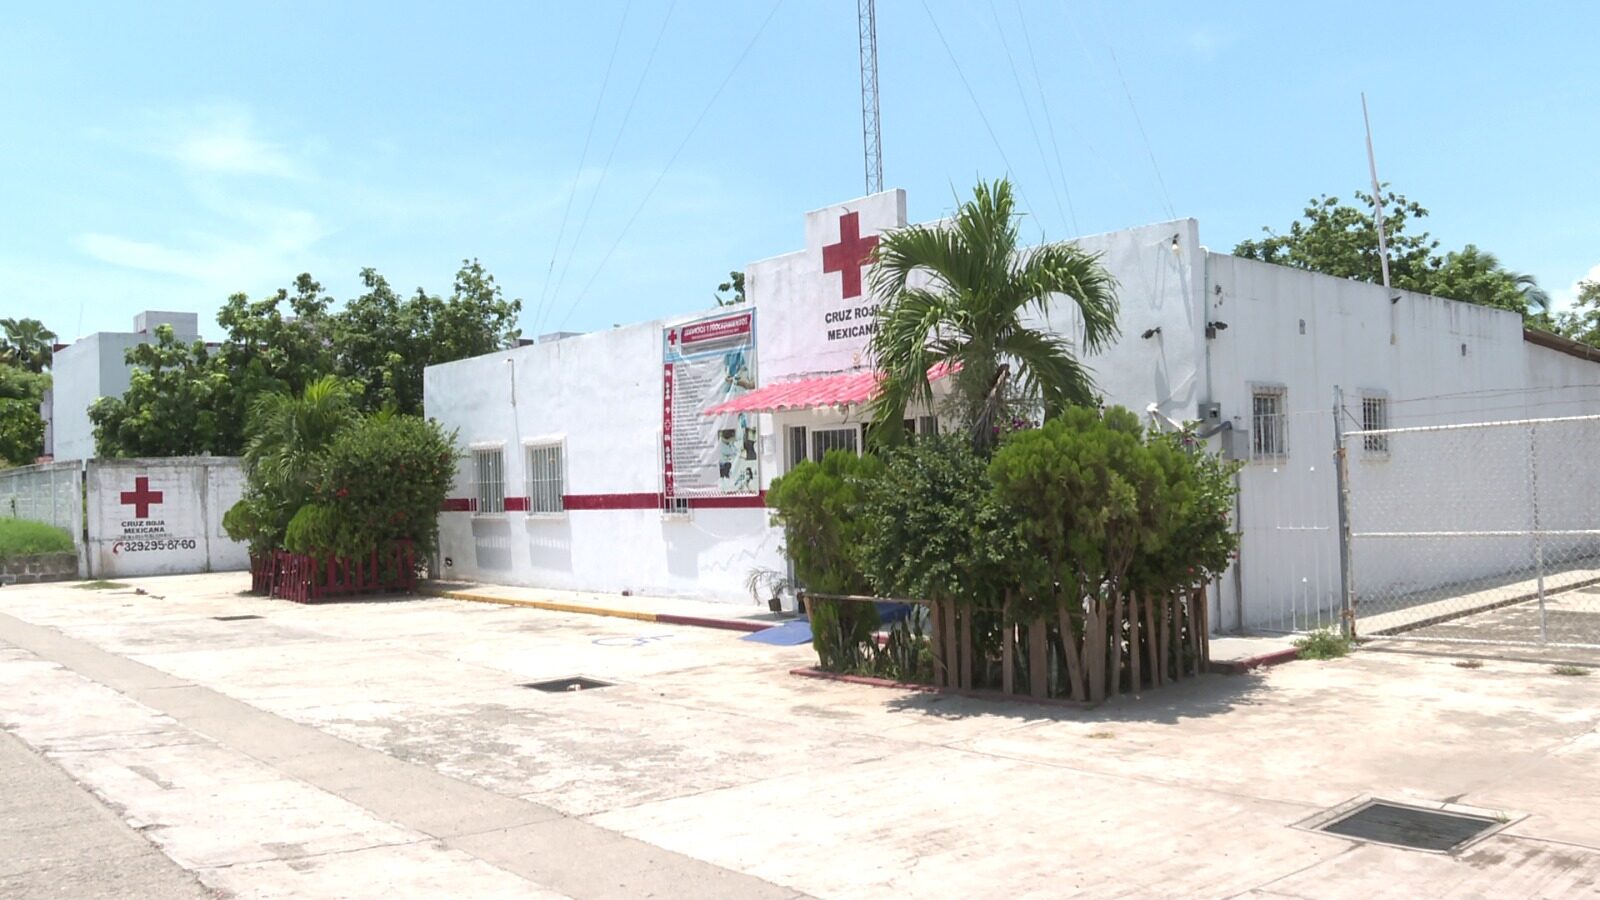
[38,567]
[303,578]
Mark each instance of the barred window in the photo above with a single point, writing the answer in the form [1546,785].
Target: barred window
[489,470]
[825,439]
[546,479]
[1269,432]
[1375,417]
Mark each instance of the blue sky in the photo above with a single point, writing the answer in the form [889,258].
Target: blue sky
[166,155]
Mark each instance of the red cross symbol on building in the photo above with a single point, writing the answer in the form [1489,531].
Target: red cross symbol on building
[850,254]
[141,498]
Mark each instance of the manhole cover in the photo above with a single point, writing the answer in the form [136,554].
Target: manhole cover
[234,618]
[575,683]
[1409,826]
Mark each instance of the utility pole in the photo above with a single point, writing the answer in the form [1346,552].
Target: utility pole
[871,139]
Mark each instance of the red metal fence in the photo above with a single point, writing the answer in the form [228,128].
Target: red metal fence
[303,578]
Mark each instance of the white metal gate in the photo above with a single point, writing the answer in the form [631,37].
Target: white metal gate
[1480,533]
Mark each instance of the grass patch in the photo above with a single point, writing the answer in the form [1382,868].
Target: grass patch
[1324,643]
[20,537]
[1572,671]
[1468,664]
[100,585]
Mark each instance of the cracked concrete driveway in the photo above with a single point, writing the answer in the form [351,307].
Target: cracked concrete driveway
[388,749]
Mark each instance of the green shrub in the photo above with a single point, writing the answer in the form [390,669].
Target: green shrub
[1324,643]
[21,537]
[819,506]
[931,528]
[380,481]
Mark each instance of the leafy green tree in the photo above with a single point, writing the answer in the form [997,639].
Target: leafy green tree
[1582,321]
[191,400]
[956,293]
[21,432]
[264,350]
[21,426]
[174,405]
[26,344]
[1337,239]
[384,342]
[731,292]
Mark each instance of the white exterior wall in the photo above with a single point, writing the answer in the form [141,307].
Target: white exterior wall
[1157,287]
[180,533]
[601,396]
[1289,552]
[91,368]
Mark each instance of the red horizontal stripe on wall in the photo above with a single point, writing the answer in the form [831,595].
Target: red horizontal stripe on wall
[611,501]
[755,502]
[585,502]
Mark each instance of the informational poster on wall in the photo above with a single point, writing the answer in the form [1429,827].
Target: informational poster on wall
[705,363]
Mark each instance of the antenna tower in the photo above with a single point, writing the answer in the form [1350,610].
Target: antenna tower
[871,137]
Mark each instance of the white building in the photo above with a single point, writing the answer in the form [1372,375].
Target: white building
[593,467]
[93,367]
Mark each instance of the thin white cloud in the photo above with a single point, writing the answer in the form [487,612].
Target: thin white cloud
[214,139]
[273,242]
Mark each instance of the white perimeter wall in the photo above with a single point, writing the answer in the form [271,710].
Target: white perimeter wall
[600,395]
[1309,333]
[181,533]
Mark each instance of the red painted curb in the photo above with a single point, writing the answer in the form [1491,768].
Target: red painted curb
[1242,666]
[870,681]
[699,622]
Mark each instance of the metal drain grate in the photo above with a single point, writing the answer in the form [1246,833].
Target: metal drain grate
[1410,826]
[234,618]
[560,685]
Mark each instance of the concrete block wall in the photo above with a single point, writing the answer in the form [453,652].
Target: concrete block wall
[37,567]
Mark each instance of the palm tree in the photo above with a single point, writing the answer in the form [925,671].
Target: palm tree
[285,433]
[27,343]
[955,292]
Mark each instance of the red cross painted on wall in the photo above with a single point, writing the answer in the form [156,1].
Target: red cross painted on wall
[851,253]
[141,498]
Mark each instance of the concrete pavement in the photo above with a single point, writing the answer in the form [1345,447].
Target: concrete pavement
[365,748]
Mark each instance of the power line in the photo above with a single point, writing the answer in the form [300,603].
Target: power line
[1138,122]
[973,96]
[1049,119]
[582,159]
[610,155]
[1027,110]
[732,70]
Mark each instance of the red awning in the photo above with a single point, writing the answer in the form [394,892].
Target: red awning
[836,391]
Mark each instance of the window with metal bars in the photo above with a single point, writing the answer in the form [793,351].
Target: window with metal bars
[489,471]
[1269,432]
[825,439]
[546,479]
[1375,417]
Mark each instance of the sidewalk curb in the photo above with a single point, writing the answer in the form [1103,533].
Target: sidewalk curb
[1250,663]
[578,609]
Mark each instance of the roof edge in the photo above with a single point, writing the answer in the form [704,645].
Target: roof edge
[1551,341]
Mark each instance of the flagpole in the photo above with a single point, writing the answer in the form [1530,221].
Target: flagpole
[1377,193]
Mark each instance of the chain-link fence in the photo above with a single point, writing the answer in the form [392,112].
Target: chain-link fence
[1288,572]
[1486,532]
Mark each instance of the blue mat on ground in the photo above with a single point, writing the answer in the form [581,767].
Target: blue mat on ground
[788,634]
